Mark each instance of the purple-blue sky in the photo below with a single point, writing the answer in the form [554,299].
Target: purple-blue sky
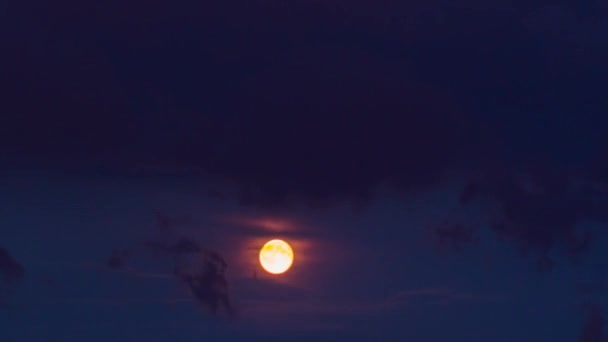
[440,169]
[362,275]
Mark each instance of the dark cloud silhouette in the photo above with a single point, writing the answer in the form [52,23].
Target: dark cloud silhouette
[209,285]
[183,246]
[10,269]
[320,103]
[454,235]
[11,273]
[544,264]
[166,227]
[541,211]
[118,258]
[400,86]
[203,271]
[593,326]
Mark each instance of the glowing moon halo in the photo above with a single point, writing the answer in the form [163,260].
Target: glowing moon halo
[276,256]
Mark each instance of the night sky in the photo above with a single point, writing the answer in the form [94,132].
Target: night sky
[440,169]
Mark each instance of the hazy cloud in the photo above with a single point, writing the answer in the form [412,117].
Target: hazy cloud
[11,272]
[593,326]
[202,271]
[541,211]
[10,269]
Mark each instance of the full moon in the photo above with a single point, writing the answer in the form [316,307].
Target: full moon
[276,256]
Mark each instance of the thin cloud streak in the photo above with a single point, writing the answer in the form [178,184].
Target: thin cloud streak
[329,306]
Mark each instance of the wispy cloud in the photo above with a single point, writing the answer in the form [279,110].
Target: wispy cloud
[11,272]
[540,210]
[593,326]
[328,309]
[201,270]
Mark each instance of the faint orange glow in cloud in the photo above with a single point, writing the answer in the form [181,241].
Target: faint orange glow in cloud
[261,224]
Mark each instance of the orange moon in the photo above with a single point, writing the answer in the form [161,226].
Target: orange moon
[276,256]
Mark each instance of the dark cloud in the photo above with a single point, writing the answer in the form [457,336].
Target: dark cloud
[321,102]
[118,258]
[10,269]
[203,271]
[542,210]
[454,235]
[209,285]
[371,92]
[11,273]
[319,126]
[593,326]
